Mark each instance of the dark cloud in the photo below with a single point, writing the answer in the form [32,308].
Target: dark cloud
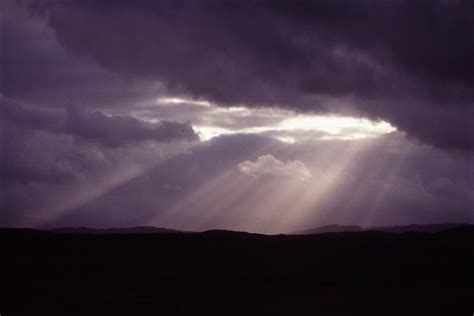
[14,113]
[110,130]
[405,62]
[36,69]
[93,126]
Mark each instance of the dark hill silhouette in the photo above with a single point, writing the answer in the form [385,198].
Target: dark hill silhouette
[329,229]
[236,273]
[103,231]
[429,228]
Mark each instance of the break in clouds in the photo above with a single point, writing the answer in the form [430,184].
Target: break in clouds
[265,116]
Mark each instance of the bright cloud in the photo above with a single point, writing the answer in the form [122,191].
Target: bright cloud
[211,121]
[181,101]
[267,165]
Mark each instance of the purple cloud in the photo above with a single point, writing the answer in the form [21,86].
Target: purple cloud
[407,63]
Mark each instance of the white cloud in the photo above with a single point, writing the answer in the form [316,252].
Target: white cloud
[267,165]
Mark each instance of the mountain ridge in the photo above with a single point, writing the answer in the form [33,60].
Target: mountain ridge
[114,230]
[420,228]
[334,228]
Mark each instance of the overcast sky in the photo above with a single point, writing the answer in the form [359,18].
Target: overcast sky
[265,116]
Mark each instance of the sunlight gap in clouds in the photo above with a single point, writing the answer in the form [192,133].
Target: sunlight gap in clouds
[283,125]
[182,101]
[306,199]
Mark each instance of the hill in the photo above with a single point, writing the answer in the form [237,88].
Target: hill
[429,228]
[236,273]
[103,231]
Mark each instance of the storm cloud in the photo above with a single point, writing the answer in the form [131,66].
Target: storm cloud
[116,130]
[405,62]
[94,126]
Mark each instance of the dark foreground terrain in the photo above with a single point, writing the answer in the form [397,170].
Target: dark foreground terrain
[223,273]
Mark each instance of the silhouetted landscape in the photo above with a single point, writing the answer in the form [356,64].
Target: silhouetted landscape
[129,230]
[431,228]
[225,272]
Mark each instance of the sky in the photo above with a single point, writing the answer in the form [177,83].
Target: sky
[262,116]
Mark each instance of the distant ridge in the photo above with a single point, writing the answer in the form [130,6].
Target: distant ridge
[429,228]
[329,229]
[122,231]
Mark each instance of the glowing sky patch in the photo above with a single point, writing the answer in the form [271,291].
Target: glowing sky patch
[210,121]
[335,125]
[181,101]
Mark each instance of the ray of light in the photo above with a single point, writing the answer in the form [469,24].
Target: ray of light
[210,199]
[193,204]
[276,206]
[283,205]
[89,192]
[94,188]
[386,175]
[312,201]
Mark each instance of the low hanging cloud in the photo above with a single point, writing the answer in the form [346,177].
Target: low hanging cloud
[64,146]
[269,166]
[113,130]
[94,126]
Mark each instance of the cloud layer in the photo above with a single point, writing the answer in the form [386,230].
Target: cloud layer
[113,130]
[407,63]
